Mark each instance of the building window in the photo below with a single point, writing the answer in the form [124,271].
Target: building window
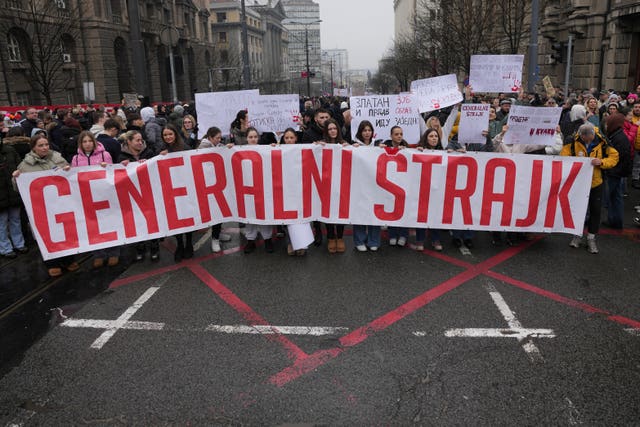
[222,37]
[14,4]
[22,98]
[61,4]
[14,49]
[221,16]
[151,11]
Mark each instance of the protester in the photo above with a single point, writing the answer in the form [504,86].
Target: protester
[251,230]
[430,140]
[41,158]
[239,128]
[614,177]
[588,142]
[11,238]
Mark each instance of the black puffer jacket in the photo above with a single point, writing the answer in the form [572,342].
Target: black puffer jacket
[9,161]
[619,141]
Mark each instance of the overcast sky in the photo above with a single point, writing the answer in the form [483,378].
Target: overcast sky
[363,27]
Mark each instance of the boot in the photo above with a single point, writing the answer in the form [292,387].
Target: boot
[332,246]
[154,249]
[188,247]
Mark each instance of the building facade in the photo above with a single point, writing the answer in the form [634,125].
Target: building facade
[267,46]
[605,43]
[303,24]
[97,50]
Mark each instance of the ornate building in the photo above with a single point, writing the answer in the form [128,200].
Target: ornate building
[605,38]
[267,42]
[97,50]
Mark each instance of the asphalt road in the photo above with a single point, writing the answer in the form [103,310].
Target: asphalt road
[534,334]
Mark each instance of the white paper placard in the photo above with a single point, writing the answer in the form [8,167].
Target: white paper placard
[474,119]
[301,235]
[532,125]
[384,112]
[220,108]
[496,73]
[436,92]
[275,113]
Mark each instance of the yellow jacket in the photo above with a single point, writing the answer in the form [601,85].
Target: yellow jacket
[581,151]
[636,121]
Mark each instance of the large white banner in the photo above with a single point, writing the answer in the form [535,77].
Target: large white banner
[88,208]
[474,119]
[436,92]
[275,113]
[496,73]
[532,125]
[220,108]
[385,112]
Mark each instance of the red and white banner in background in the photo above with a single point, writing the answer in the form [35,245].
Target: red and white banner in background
[90,208]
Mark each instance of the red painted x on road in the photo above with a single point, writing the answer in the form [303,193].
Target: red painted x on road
[302,363]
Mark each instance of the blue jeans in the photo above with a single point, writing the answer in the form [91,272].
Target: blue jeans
[463,234]
[421,234]
[614,201]
[10,220]
[397,232]
[366,234]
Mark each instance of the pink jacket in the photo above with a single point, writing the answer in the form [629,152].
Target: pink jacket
[633,134]
[99,155]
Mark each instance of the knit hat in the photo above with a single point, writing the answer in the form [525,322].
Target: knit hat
[147,114]
[178,109]
[632,96]
[505,101]
[344,105]
[614,122]
[36,131]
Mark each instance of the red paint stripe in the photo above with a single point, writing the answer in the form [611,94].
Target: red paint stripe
[563,300]
[448,259]
[138,277]
[294,352]
[304,365]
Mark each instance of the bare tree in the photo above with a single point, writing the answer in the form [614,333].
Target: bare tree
[47,30]
[514,18]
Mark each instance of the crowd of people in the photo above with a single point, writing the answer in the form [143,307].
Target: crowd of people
[602,125]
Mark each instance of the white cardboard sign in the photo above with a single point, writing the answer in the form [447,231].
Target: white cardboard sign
[436,92]
[220,108]
[474,118]
[385,112]
[532,125]
[496,73]
[275,113]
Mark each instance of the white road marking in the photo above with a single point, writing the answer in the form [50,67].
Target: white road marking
[284,330]
[124,318]
[574,415]
[633,331]
[202,240]
[515,330]
[465,250]
[500,333]
[108,324]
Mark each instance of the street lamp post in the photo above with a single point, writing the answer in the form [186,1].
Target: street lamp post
[306,48]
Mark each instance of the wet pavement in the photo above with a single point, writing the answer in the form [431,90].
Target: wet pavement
[537,333]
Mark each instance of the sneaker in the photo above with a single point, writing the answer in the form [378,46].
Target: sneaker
[22,250]
[419,247]
[224,237]
[393,241]
[215,245]
[113,261]
[268,245]
[373,248]
[250,247]
[591,246]
[98,262]
[402,241]
[139,256]
[361,248]
[154,250]
[437,246]
[10,255]
[576,242]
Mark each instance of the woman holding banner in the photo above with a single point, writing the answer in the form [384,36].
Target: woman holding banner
[335,242]
[42,158]
[430,140]
[397,235]
[134,149]
[366,235]
[174,143]
[251,230]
